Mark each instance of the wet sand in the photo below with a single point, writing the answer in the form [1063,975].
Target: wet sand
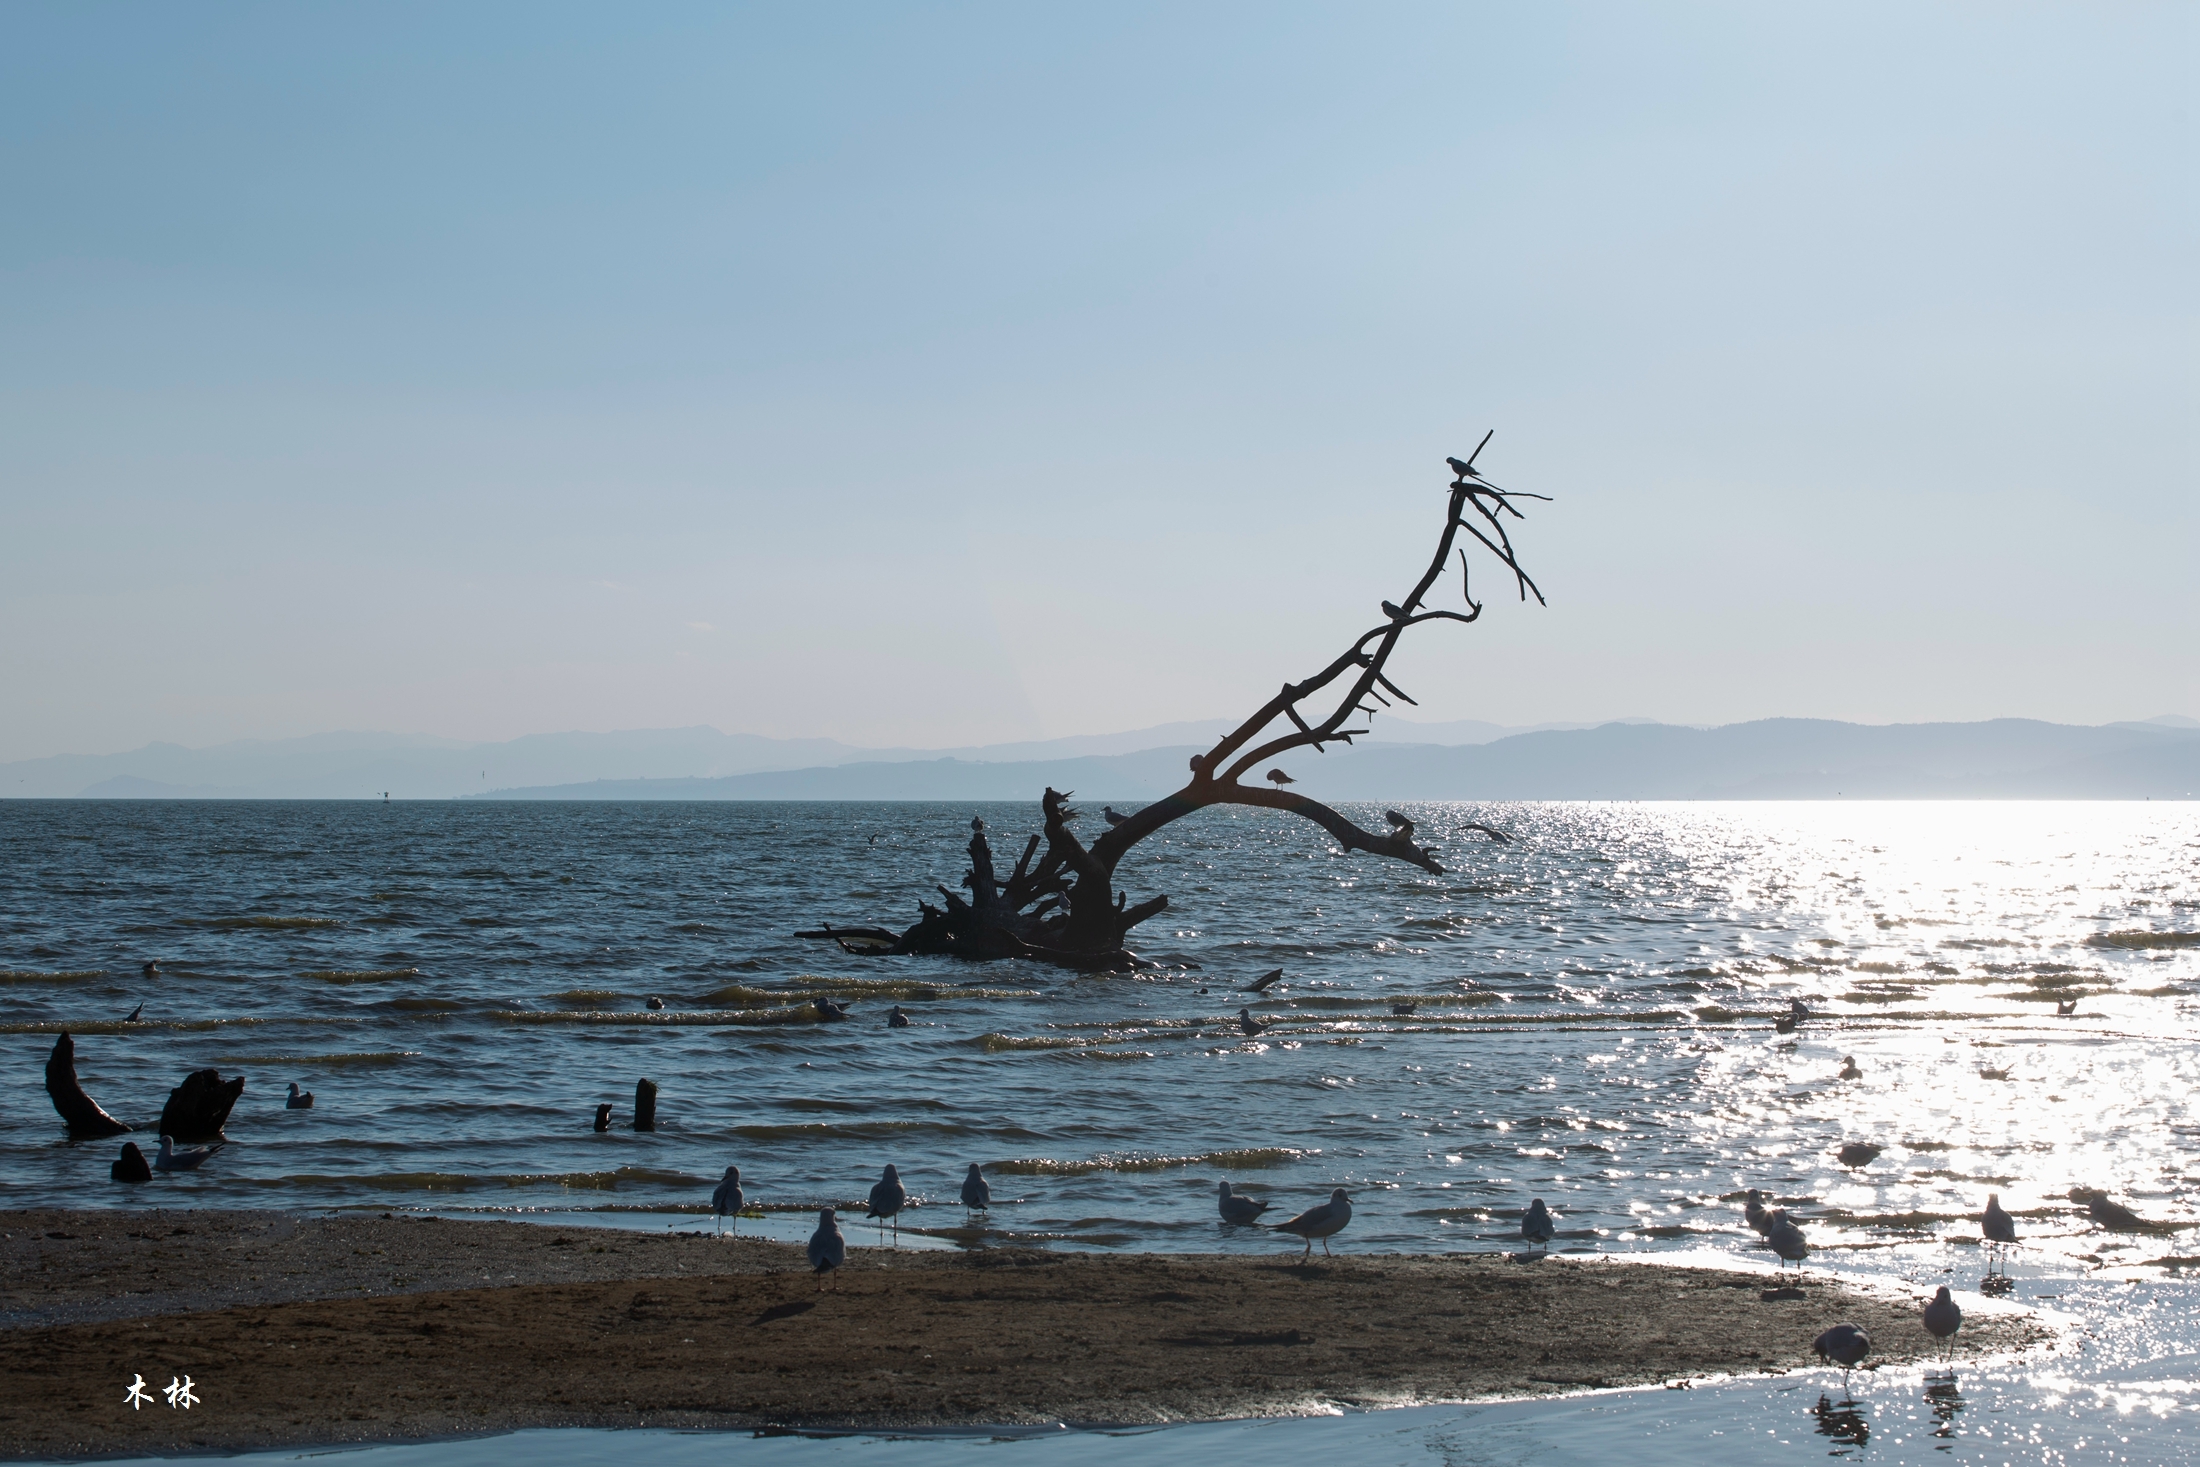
[299,1331]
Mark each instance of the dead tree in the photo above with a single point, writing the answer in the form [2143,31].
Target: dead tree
[1059,903]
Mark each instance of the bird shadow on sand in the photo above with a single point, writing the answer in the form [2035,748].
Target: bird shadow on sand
[1775,1296]
[787,1310]
[1304,1270]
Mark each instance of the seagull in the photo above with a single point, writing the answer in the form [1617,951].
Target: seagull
[172,1160]
[654,1002]
[887,1199]
[298,1099]
[1240,1211]
[827,1011]
[977,1195]
[1260,984]
[726,1201]
[2113,1215]
[1251,1025]
[897,1019]
[1536,1225]
[1787,1240]
[1844,1345]
[151,970]
[1112,817]
[1466,470]
[132,1016]
[1279,779]
[828,1249]
[1403,1010]
[1997,1227]
[2065,1010]
[1319,1222]
[977,825]
[1849,1071]
[130,1166]
[1943,1318]
[1858,1154]
[1395,612]
[1753,1211]
[1400,824]
[603,1117]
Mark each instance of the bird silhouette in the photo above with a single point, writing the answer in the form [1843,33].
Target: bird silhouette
[653,1002]
[1260,984]
[1239,1211]
[1466,470]
[828,1249]
[1844,1345]
[1858,1154]
[1279,779]
[888,1197]
[2065,1010]
[1943,1317]
[151,970]
[726,1201]
[977,1195]
[1788,1241]
[183,1159]
[131,1165]
[1402,1010]
[977,825]
[298,1099]
[1251,1025]
[1394,611]
[1849,1071]
[1112,817]
[897,1019]
[1536,1225]
[828,1011]
[1756,1214]
[1999,1230]
[1400,824]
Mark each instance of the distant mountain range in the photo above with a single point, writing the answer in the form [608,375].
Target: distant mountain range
[1780,758]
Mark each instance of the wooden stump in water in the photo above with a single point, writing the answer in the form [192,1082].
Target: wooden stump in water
[198,1107]
[131,1166]
[645,1105]
[79,1112]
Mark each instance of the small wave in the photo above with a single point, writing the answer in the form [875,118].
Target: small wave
[360,975]
[812,1131]
[272,923]
[422,1005]
[124,1026]
[604,1181]
[322,1061]
[11,975]
[587,998]
[1009,1043]
[2130,940]
[1240,1159]
[670,1018]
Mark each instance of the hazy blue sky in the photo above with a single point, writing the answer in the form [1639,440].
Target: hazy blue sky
[968,372]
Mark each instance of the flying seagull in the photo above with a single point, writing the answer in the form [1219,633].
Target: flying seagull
[888,1197]
[1251,1025]
[1279,779]
[977,1195]
[1112,817]
[1260,984]
[726,1201]
[828,1249]
[1239,1211]
[1319,1222]
[298,1099]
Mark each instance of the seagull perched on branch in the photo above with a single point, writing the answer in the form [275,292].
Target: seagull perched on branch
[1466,470]
[1392,610]
[1112,817]
[977,825]
[1279,779]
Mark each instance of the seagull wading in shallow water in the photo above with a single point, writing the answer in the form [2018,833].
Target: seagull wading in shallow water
[1251,1025]
[173,1159]
[1753,1212]
[1997,1227]
[977,1194]
[1943,1317]
[1319,1222]
[726,1201]
[1844,1345]
[1239,1210]
[888,1196]
[298,1099]
[828,1249]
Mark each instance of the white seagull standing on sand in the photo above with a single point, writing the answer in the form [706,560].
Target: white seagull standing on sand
[1319,1222]
[828,1249]
[1240,1210]
[726,1201]
[887,1199]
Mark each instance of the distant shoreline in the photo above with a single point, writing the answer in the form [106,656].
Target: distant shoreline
[302,1331]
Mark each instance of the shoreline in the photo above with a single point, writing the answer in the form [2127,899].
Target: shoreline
[302,1331]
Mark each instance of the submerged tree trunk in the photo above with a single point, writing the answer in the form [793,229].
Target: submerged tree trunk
[1065,909]
[199,1107]
[79,1112]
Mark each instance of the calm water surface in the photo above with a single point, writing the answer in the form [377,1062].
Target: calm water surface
[461,983]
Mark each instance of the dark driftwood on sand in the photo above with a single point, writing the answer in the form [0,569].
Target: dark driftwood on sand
[79,1112]
[645,1105]
[1062,907]
[198,1108]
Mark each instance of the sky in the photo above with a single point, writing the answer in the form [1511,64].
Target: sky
[951,374]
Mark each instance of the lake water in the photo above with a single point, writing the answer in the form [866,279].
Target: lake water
[461,983]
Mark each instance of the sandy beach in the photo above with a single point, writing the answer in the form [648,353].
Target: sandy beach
[298,1331]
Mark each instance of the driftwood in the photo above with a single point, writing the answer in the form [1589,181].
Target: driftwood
[645,1105]
[198,1108]
[1060,906]
[79,1112]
